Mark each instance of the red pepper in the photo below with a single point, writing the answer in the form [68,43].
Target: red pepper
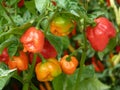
[20,3]
[117,49]
[99,67]
[100,34]
[48,51]
[4,57]
[33,40]
[108,2]
[54,3]
[118,1]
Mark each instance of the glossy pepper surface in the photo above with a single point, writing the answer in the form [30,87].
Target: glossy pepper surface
[46,71]
[99,35]
[32,40]
[68,67]
[48,51]
[61,25]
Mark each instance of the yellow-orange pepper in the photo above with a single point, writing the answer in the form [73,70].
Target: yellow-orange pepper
[46,71]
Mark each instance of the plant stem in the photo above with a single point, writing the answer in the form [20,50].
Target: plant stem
[17,77]
[32,67]
[82,61]
[72,49]
[41,17]
[43,59]
[33,87]
[73,53]
[26,85]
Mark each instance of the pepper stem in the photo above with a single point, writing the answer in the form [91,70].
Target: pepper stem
[43,59]
[41,17]
[82,61]
[28,80]
[73,53]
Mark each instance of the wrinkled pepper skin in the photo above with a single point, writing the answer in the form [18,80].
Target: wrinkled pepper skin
[99,35]
[47,52]
[68,67]
[32,40]
[46,71]
[20,62]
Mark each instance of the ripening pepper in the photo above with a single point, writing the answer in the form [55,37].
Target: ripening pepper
[20,62]
[32,40]
[99,35]
[61,25]
[68,66]
[46,71]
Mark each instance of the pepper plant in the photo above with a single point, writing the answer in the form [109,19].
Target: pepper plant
[59,45]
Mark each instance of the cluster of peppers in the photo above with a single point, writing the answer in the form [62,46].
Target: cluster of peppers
[47,66]
[34,42]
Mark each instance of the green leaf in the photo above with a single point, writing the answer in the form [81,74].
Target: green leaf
[64,82]
[76,9]
[92,84]
[88,82]
[101,55]
[68,82]
[56,42]
[65,42]
[12,49]
[58,82]
[62,3]
[17,30]
[87,72]
[12,2]
[1,9]
[5,75]
[20,30]
[41,5]
[112,43]
[7,42]
[30,5]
